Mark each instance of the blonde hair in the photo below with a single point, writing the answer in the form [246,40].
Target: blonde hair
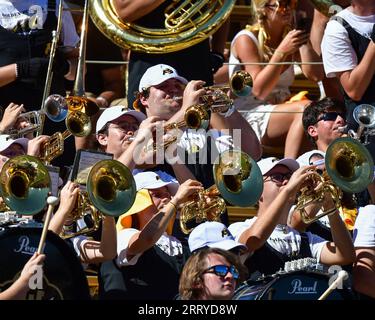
[258,11]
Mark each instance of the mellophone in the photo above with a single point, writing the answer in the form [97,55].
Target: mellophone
[301,279]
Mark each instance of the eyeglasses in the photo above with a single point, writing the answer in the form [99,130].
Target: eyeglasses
[282,5]
[331,116]
[222,271]
[279,177]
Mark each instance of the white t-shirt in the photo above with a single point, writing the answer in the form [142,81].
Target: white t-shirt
[337,51]
[15,11]
[169,244]
[364,227]
[284,239]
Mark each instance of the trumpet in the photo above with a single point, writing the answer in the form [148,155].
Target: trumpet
[35,120]
[238,180]
[349,168]
[110,190]
[364,115]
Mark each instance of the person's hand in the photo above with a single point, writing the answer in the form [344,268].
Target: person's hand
[32,71]
[10,116]
[185,190]
[193,91]
[29,268]
[68,197]
[293,41]
[34,145]
[296,181]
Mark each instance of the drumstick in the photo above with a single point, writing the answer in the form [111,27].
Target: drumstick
[52,201]
[342,275]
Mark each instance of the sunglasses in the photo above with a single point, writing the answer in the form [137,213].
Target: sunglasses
[222,271]
[279,177]
[331,116]
[282,5]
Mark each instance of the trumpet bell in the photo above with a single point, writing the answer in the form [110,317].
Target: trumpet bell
[111,187]
[241,83]
[364,115]
[82,104]
[197,117]
[78,123]
[25,184]
[55,108]
[238,178]
[349,164]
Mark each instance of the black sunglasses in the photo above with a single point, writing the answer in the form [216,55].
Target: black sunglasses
[279,177]
[331,116]
[222,271]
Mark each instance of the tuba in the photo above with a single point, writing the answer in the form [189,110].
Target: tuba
[24,184]
[238,180]
[110,190]
[186,24]
[349,167]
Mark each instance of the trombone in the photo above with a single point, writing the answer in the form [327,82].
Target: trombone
[349,168]
[110,190]
[238,180]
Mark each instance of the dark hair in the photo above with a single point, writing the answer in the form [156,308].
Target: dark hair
[191,281]
[315,109]
[137,105]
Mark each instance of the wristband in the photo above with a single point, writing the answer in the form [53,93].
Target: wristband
[229,112]
[280,54]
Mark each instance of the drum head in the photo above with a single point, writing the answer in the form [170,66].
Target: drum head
[63,275]
[299,285]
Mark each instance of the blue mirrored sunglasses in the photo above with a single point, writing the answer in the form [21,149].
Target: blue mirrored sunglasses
[222,271]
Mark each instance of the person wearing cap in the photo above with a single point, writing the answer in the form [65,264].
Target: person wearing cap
[125,133]
[149,259]
[268,236]
[160,91]
[198,61]
[211,274]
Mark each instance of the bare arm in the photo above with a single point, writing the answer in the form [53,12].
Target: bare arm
[313,72]
[131,10]
[103,250]
[355,82]
[249,141]
[157,225]
[341,250]
[7,74]
[364,271]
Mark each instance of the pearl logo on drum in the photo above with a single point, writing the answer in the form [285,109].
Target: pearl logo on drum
[24,246]
[297,288]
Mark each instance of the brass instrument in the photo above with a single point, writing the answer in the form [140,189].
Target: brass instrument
[111,190]
[80,108]
[187,23]
[364,115]
[54,147]
[49,102]
[349,167]
[24,184]
[35,120]
[198,116]
[238,180]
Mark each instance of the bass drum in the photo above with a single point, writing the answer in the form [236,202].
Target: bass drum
[63,275]
[300,285]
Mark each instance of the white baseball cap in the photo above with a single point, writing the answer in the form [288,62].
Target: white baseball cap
[151,180]
[6,141]
[267,164]
[157,74]
[304,159]
[115,112]
[213,234]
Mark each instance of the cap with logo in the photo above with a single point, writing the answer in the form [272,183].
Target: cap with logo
[157,74]
[115,112]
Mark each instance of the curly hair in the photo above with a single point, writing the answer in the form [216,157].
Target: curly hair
[191,280]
